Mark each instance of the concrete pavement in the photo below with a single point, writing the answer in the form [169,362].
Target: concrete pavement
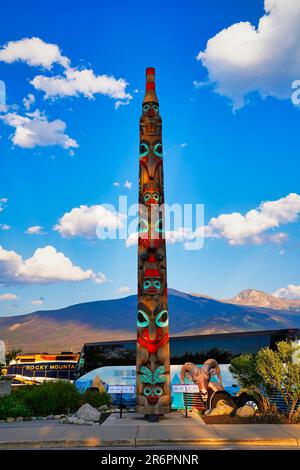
[133,431]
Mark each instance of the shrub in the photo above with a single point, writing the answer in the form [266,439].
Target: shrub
[95,398]
[244,370]
[50,398]
[281,370]
[12,406]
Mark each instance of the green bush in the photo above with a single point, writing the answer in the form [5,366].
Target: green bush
[95,398]
[12,406]
[50,398]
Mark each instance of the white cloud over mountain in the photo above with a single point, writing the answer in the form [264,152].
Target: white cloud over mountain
[290,292]
[4,297]
[242,58]
[47,265]
[34,130]
[84,221]
[239,229]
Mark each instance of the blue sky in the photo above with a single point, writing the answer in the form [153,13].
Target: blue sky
[230,134]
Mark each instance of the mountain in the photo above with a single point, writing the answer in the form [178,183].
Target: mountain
[256,298]
[70,327]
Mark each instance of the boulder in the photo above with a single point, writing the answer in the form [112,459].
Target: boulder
[245,411]
[88,413]
[20,418]
[10,420]
[222,409]
[103,408]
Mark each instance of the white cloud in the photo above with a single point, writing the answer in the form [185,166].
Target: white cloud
[239,229]
[4,297]
[123,290]
[290,292]
[117,184]
[34,130]
[28,101]
[45,266]
[39,301]
[128,184]
[3,201]
[132,239]
[242,58]
[34,51]
[5,227]
[72,82]
[34,230]
[85,82]
[83,221]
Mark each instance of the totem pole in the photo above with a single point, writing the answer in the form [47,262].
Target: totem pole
[153,354]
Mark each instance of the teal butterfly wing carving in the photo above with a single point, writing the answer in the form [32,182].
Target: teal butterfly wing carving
[159,375]
[146,375]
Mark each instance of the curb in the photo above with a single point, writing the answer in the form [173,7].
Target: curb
[135,443]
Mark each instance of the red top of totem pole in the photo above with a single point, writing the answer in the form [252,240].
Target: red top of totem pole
[150,94]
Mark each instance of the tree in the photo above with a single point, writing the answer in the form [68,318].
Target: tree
[244,370]
[12,355]
[280,370]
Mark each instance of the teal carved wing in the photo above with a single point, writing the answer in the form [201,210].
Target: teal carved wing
[159,375]
[146,375]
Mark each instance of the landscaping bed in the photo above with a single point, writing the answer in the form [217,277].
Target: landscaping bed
[258,419]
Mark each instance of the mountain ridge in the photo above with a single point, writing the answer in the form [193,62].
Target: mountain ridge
[104,320]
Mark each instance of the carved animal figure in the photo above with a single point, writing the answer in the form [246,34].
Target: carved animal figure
[202,376]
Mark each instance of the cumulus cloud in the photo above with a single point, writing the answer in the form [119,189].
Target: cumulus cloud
[242,58]
[128,184]
[47,265]
[132,239]
[33,51]
[290,292]
[5,227]
[116,184]
[84,221]
[239,229]
[123,290]
[28,101]
[39,301]
[4,297]
[3,202]
[34,130]
[35,230]
[81,82]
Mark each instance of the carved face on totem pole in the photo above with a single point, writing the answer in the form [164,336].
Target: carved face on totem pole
[153,357]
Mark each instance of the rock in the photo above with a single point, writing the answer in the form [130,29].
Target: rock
[27,418]
[20,418]
[221,410]
[88,413]
[10,420]
[245,411]
[58,416]
[50,417]
[103,408]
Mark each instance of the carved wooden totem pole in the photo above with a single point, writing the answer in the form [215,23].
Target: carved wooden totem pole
[153,355]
